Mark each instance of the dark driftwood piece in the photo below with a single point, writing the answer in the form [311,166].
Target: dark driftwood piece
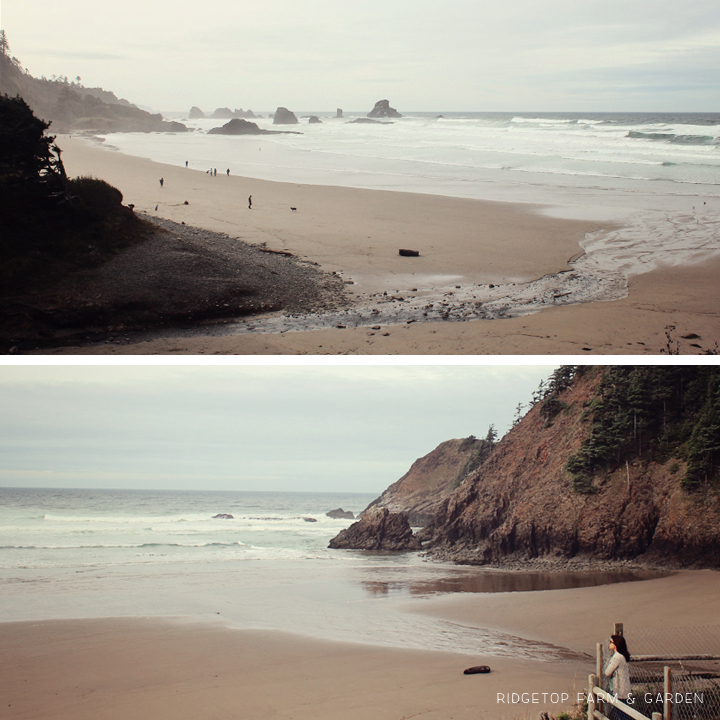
[477,669]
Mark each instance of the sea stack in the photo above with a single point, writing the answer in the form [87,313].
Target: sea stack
[196,113]
[382,109]
[283,116]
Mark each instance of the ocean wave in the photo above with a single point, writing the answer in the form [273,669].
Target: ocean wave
[674,139]
[119,519]
[545,121]
[124,546]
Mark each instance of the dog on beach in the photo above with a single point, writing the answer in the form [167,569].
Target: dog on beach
[293,209]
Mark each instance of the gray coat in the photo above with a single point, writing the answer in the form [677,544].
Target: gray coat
[618,669]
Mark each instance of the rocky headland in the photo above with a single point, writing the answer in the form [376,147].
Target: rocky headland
[70,106]
[430,481]
[610,466]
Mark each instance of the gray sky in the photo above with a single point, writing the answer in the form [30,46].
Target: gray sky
[276,427]
[478,55]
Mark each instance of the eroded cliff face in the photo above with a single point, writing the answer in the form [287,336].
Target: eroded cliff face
[520,504]
[431,479]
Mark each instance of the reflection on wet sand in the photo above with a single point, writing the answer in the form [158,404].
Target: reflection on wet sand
[494,581]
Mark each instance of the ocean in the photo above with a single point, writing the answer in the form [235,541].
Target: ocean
[636,161]
[110,553]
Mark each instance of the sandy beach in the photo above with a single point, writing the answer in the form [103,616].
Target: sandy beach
[466,246]
[174,668]
[159,669]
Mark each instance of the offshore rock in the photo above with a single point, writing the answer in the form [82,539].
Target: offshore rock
[222,114]
[378,529]
[238,126]
[340,513]
[223,516]
[382,109]
[283,116]
[196,113]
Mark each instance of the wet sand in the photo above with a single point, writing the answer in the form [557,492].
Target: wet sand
[581,617]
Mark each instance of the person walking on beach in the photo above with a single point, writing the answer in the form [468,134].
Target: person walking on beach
[250,203]
[228,172]
[162,181]
[618,671]
[186,163]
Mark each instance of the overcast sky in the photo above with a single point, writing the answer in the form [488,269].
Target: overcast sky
[476,55]
[305,428]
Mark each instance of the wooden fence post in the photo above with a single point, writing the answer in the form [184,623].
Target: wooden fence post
[592,681]
[656,716]
[667,691]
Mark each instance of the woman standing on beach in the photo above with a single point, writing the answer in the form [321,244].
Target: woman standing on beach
[618,671]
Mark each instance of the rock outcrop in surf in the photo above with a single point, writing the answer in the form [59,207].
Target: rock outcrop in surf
[238,126]
[377,529]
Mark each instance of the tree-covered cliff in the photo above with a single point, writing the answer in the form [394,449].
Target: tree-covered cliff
[610,463]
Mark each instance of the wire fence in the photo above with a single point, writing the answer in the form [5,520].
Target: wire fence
[695,679]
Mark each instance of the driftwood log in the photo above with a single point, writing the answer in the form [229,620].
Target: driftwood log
[477,669]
